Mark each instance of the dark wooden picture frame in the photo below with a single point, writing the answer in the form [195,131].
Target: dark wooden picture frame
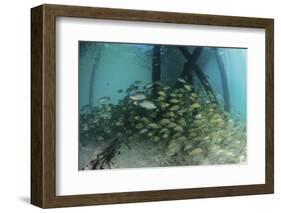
[43,105]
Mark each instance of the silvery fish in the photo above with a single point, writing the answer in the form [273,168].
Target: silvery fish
[195,105]
[174,100]
[174,108]
[161,93]
[148,86]
[159,83]
[105,115]
[147,105]
[137,82]
[166,88]
[173,95]
[139,126]
[104,99]
[137,97]
[135,103]
[85,127]
[132,88]
[181,80]
[187,87]
[153,125]
[100,138]
[143,131]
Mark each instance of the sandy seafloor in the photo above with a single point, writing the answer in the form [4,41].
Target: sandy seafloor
[147,154]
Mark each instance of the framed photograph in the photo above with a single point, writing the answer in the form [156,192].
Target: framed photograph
[135,106]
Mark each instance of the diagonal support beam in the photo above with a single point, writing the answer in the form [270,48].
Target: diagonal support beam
[188,66]
[201,76]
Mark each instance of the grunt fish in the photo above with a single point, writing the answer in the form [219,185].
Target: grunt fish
[147,104]
[195,105]
[153,125]
[181,80]
[137,82]
[104,99]
[143,131]
[162,93]
[148,86]
[174,108]
[174,100]
[138,97]
[188,87]
[132,88]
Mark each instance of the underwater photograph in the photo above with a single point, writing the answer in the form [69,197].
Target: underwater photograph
[161,105]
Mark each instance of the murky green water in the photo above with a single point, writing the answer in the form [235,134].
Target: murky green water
[161,105]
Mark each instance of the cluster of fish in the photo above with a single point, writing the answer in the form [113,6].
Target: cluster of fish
[180,118]
[212,138]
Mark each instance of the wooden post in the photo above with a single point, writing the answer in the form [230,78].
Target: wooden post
[200,74]
[223,81]
[156,64]
[189,66]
